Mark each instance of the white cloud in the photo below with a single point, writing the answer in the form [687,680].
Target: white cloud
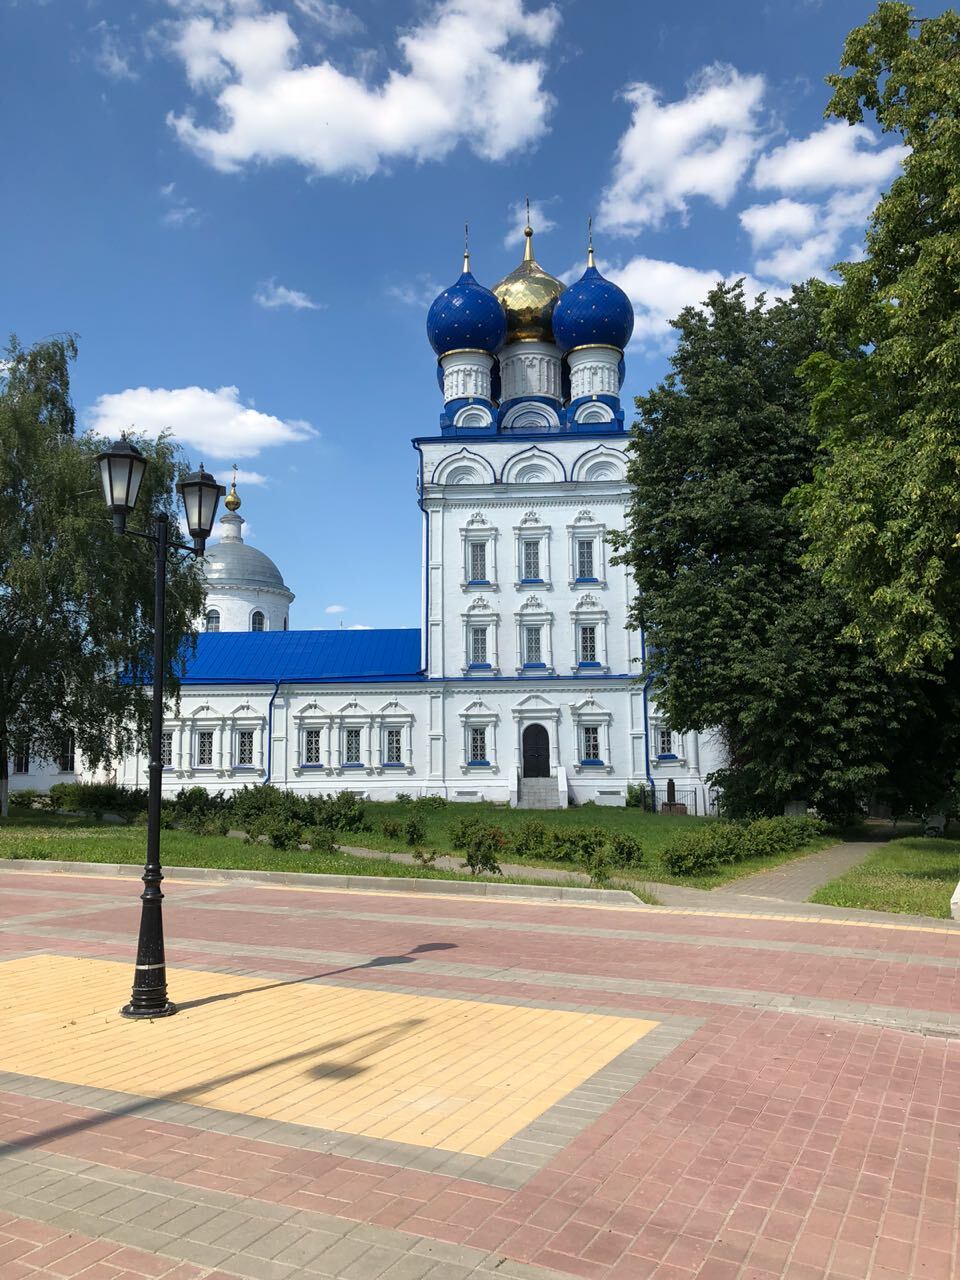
[178,211]
[359,626]
[464,77]
[270,295]
[242,477]
[838,155]
[213,423]
[769,223]
[539,220]
[419,292]
[659,290]
[699,146]
[333,19]
[111,59]
[335,608]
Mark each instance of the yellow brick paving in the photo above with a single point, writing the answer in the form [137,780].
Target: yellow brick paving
[457,1075]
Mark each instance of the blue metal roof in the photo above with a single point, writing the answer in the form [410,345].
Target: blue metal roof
[255,657]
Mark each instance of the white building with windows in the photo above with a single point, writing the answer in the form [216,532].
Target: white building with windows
[523,684]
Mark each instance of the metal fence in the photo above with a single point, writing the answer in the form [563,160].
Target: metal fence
[677,800]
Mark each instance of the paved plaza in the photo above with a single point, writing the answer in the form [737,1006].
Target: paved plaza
[405,1085]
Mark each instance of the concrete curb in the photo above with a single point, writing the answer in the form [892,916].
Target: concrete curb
[391,884]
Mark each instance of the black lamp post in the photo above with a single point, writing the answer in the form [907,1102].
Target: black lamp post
[122,469]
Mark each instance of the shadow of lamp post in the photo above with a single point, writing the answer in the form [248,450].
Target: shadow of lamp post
[122,469]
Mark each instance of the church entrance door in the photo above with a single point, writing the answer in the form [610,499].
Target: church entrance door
[536,752]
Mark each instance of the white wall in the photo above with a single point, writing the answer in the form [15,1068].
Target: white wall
[236,606]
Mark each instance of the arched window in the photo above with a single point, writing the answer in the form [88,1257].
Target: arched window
[213,619]
[256,621]
[285,621]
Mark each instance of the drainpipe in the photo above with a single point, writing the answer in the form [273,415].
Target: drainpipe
[276,690]
[648,681]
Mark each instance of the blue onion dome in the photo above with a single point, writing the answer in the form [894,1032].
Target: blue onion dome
[466,317]
[592,312]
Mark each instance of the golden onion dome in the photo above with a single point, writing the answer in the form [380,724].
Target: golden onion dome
[232,500]
[528,295]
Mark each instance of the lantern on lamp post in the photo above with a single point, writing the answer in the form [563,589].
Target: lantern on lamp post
[122,468]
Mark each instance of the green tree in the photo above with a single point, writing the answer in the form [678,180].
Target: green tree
[76,600]
[740,635]
[883,512]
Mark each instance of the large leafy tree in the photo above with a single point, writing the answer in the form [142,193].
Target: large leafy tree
[76,600]
[740,634]
[883,513]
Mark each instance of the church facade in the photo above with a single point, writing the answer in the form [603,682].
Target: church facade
[523,685]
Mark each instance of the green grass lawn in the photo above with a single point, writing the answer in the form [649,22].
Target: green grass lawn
[917,875]
[56,836]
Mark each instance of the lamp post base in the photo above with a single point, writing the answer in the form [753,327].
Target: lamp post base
[163,1011]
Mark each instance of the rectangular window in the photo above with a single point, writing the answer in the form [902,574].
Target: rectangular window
[478,646]
[312,746]
[478,562]
[478,746]
[393,747]
[591,742]
[66,759]
[204,748]
[244,747]
[21,760]
[532,648]
[530,560]
[351,746]
[166,750]
[585,566]
[665,739]
[588,644]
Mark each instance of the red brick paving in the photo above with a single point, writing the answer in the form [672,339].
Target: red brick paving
[767,1145]
[33,1249]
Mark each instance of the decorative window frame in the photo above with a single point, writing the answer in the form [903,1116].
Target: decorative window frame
[528,530]
[477,529]
[206,719]
[246,717]
[589,612]
[590,714]
[602,454]
[352,716]
[206,620]
[394,715]
[263,614]
[669,759]
[477,715]
[481,614]
[464,457]
[533,613]
[312,716]
[549,463]
[585,526]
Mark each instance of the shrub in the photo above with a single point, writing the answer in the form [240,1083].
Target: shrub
[624,849]
[392,828]
[530,838]
[462,831]
[196,800]
[638,796]
[575,844]
[431,802]
[425,857]
[597,863]
[320,840]
[346,811]
[28,798]
[99,798]
[483,849]
[415,830]
[205,824]
[280,831]
[690,853]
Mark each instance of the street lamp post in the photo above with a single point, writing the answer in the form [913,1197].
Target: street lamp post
[122,469]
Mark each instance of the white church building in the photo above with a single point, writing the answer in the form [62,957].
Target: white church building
[523,685]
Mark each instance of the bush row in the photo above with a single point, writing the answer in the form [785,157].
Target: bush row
[590,847]
[720,843]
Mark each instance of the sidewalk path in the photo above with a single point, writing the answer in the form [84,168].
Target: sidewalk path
[393,1086]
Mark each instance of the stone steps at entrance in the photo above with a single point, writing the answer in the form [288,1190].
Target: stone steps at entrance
[538,793]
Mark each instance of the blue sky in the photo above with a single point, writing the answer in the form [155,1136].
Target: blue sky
[244,208]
